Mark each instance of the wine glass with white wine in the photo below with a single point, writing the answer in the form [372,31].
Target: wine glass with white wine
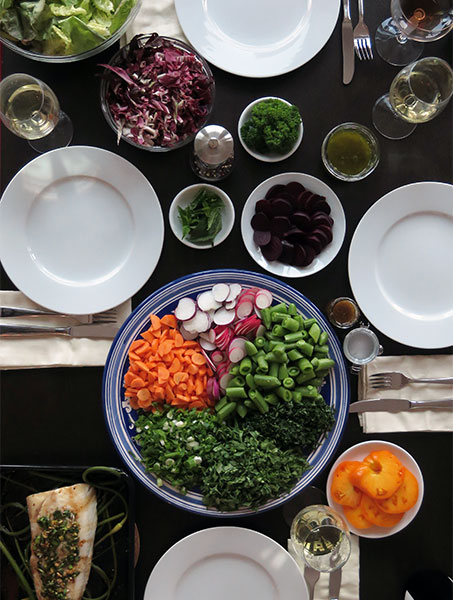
[30,109]
[321,537]
[412,21]
[418,93]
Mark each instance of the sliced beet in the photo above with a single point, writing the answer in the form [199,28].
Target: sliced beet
[311,203]
[302,198]
[320,218]
[261,238]
[309,255]
[314,242]
[299,256]
[287,252]
[263,206]
[324,234]
[322,205]
[280,225]
[294,235]
[301,220]
[273,249]
[260,222]
[281,206]
[295,188]
[274,191]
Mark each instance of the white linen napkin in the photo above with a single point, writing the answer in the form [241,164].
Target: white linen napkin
[155,16]
[350,586]
[51,351]
[413,366]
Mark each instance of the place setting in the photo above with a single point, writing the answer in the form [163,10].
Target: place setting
[261,291]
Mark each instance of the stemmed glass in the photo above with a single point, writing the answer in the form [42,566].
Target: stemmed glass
[418,93]
[412,21]
[321,537]
[30,109]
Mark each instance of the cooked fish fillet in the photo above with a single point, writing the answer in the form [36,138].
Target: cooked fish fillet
[63,524]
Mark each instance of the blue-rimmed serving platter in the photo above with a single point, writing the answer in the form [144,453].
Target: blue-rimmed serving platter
[120,417]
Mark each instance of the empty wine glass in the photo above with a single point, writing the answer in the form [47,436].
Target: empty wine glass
[412,21]
[321,537]
[30,109]
[418,93]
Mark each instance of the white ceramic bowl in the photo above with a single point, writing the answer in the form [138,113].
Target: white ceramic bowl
[185,197]
[272,157]
[359,452]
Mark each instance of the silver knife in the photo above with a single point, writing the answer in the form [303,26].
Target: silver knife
[76,331]
[398,404]
[347,36]
[335,584]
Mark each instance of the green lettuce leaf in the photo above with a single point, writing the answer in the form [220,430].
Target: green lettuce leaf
[82,37]
[11,25]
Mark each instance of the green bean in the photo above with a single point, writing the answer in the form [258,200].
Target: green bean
[234,370]
[256,397]
[309,322]
[292,309]
[293,371]
[237,381]
[284,393]
[305,376]
[325,363]
[266,381]
[273,369]
[260,341]
[291,324]
[221,403]
[236,392]
[322,349]
[289,383]
[315,362]
[245,366]
[266,318]
[323,338]
[282,371]
[294,355]
[250,348]
[271,398]
[314,332]
[263,364]
[305,347]
[226,410]
[282,308]
[241,410]
[278,317]
[249,380]
[293,336]
[248,403]
[278,331]
[308,391]
[297,396]
[304,365]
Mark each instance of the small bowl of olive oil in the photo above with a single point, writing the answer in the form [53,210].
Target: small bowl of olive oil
[350,152]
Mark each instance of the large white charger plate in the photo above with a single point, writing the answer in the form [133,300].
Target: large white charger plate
[315,185]
[222,563]
[258,38]
[361,451]
[81,230]
[400,264]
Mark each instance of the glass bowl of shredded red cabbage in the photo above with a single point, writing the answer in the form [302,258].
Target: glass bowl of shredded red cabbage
[157,93]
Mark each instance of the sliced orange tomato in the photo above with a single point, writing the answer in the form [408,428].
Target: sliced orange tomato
[342,489]
[375,515]
[379,475]
[356,517]
[405,496]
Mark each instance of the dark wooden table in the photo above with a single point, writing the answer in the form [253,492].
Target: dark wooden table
[54,416]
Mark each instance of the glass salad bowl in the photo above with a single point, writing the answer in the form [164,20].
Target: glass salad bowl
[149,120]
[81,29]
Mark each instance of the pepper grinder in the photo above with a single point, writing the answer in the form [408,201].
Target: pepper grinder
[213,153]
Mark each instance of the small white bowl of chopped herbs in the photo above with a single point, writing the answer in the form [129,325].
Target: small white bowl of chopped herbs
[270,129]
[201,216]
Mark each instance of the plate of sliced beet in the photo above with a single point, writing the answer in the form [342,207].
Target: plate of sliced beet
[293,224]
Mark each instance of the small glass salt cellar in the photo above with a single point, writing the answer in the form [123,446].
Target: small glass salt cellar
[213,153]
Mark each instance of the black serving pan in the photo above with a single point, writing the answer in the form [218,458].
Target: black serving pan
[18,481]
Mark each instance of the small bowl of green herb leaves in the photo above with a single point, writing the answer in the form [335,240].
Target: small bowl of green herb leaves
[201,216]
[270,129]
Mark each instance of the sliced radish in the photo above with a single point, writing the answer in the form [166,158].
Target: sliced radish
[208,360]
[206,345]
[187,335]
[247,326]
[263,300]
[185,309]
[224,380]
[260,331]
[236,350]
[198,323]
[217,357]
[220,291]
[244,308]
[207,302]
[223,316]
[230,304]
[208,335]
[223,339]
[235,290]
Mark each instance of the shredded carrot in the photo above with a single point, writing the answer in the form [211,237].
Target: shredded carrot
[166,368]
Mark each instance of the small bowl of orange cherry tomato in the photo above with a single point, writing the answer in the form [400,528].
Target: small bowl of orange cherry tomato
[377,486]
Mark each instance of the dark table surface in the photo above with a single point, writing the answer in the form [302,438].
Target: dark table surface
[54,416]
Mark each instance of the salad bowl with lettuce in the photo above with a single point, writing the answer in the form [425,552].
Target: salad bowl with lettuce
[63,30]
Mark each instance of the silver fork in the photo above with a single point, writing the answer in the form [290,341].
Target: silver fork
[362,39]
[395,381]
[108,316]
[311,576]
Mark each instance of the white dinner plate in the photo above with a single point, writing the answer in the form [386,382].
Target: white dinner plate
[400,264]
[258,38]
[315,185]
[81,230]
[226,563]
